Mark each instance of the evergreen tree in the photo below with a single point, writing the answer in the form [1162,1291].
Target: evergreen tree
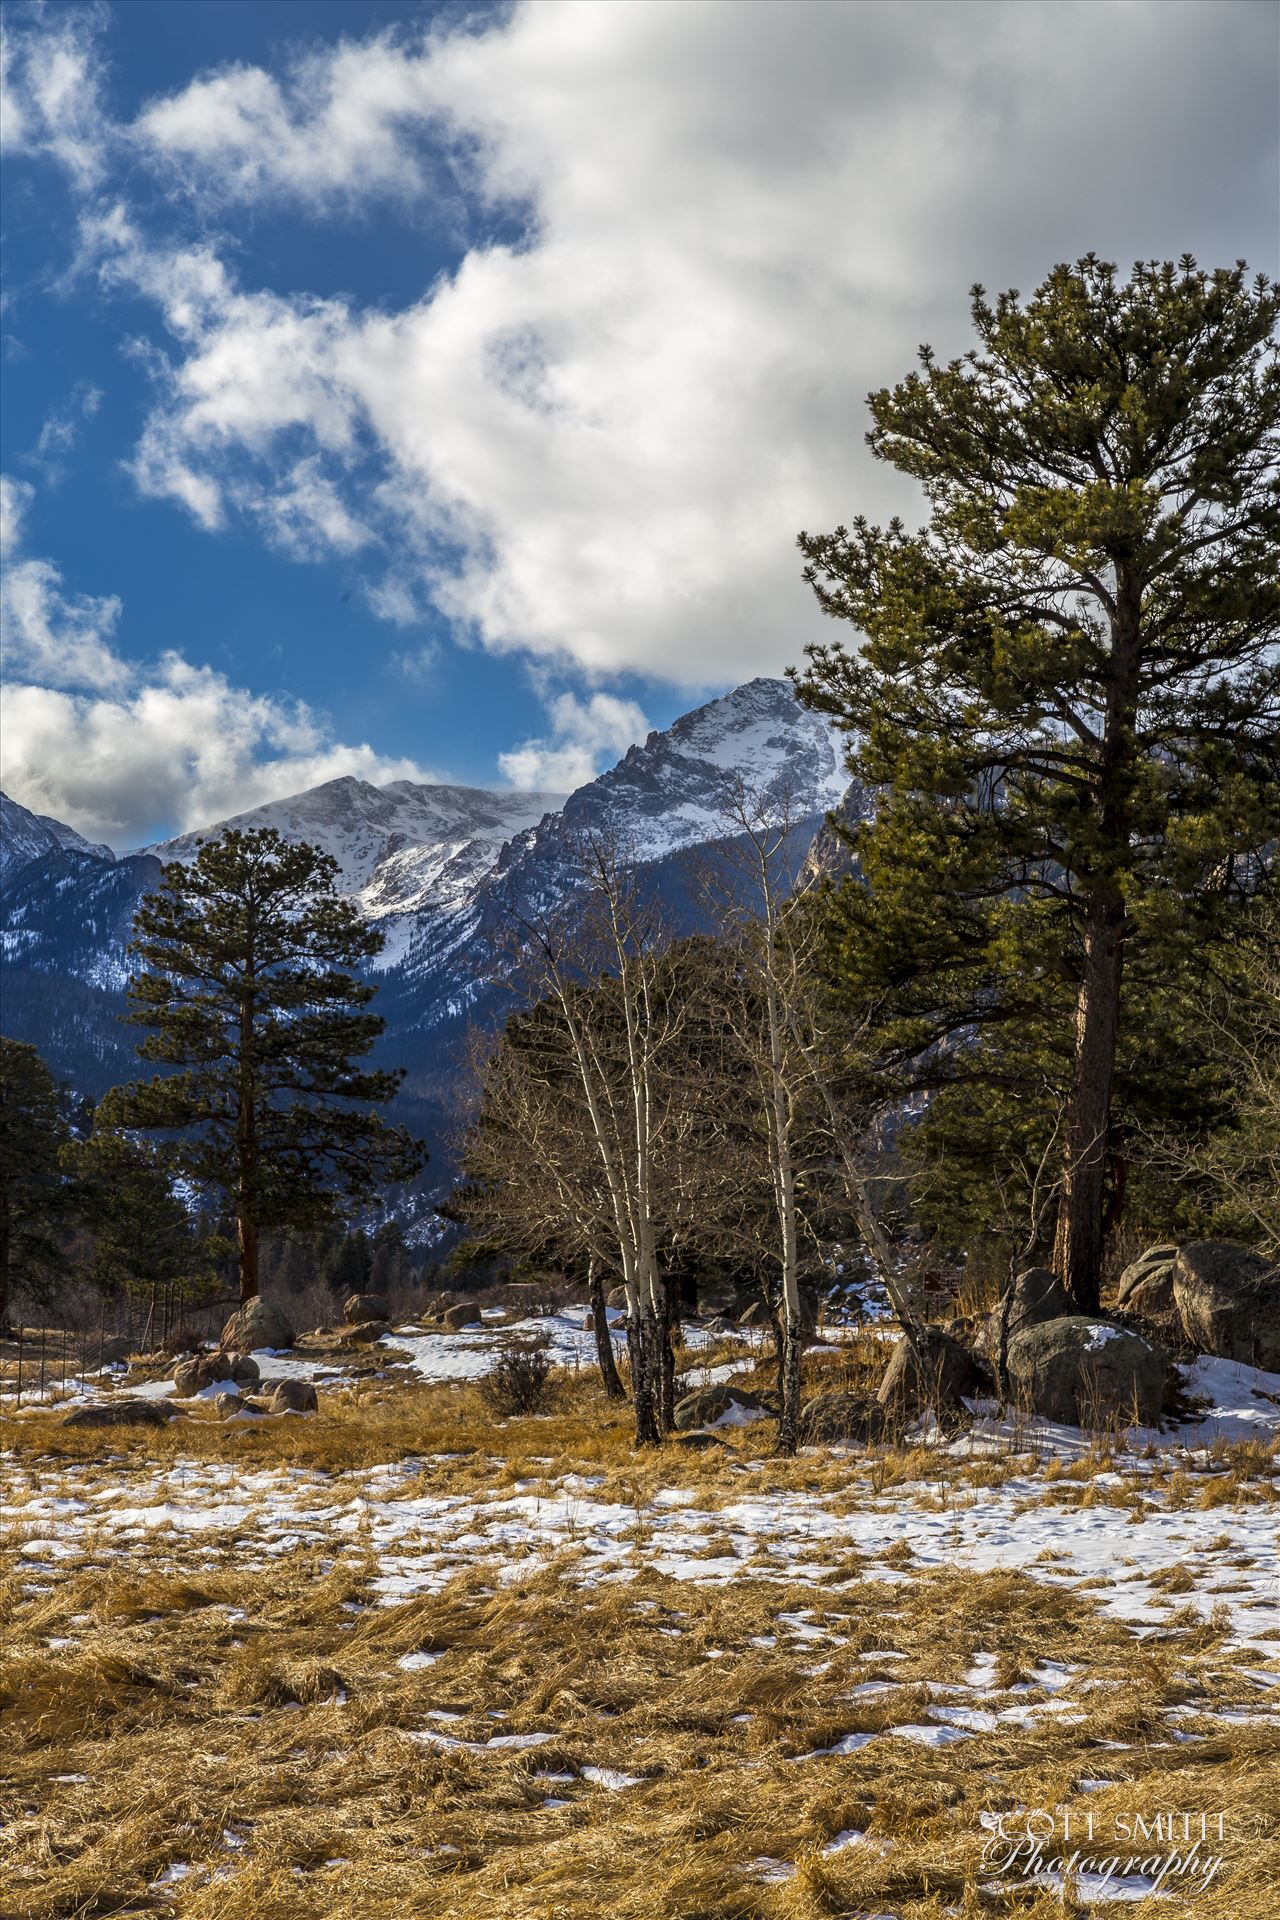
[348,1267]
[34,1199]
[247,985]
[144,1238]
[1068,694]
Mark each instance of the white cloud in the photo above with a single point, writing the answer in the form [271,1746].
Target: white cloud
[342,127]
[15,498]
[50,89]
[63,639]
[181,750]
[585,734]
[600,443]
[123,750]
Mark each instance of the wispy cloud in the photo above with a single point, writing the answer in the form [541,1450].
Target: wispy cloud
[585,735]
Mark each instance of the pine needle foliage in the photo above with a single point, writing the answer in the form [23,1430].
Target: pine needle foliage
[258,1021]
[1068,696]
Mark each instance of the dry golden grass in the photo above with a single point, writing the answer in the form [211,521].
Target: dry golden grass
[252,1723]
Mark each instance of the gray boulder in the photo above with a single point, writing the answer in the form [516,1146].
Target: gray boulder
[1083,1372]
[1145,1294]
[258,1324]
[1152,1269]
[830,1418]
[465,1314]
[1228,1300]
[293,1396]
[122,1413]
[705,1405]
[212,1369]
[359,1308]
[366,1332]
[940,1375]
[1036,1295]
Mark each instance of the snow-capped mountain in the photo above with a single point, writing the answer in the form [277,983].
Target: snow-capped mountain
[440,868]
[402,851]
[25,836]
[660,803]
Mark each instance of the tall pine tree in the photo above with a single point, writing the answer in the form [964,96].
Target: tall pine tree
[34,1197]
[247,983]
[1068,692]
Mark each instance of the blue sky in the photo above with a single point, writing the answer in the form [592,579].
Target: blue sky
[420,392]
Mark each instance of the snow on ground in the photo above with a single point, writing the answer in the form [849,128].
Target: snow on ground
[466,1355]
[197,1512]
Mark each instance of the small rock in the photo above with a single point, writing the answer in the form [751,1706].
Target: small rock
[122,1413]
[360,1308]
[832,1417]
[705,1405]
[213,1369]
[293,1396]
[258,1324]
[465,1314]
[365,1334]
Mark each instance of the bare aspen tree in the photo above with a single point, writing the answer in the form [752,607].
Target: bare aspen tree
[811,1085]
[532,1182]
[617,1042]
[749,890]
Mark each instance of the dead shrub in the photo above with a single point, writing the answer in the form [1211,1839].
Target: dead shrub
[520,1381]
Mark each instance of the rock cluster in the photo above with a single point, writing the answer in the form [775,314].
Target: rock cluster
[234,1370]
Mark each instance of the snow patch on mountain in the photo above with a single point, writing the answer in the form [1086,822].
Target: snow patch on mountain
[402,850]
[27,836]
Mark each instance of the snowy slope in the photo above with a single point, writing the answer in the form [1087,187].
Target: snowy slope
[440,869]
[661,802]
[26,836]
[402,851]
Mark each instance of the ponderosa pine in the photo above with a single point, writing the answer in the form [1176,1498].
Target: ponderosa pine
[34,1199]
[258,1020]
[1068,690]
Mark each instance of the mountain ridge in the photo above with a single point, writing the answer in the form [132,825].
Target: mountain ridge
[441,869]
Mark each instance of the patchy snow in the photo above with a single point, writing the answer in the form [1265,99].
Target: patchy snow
[736,1415]
[611,1778]
[1243,1402]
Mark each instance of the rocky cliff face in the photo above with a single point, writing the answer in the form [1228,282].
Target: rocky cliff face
[25,837]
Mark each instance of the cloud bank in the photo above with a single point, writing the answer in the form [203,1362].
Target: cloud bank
[592,444]
[119,749]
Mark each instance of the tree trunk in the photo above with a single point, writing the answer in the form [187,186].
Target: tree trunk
[247,1132]
[1081,1227]
[789,1371]
[668,1319]
[642,1380]
[247,1234]
[613,1387]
